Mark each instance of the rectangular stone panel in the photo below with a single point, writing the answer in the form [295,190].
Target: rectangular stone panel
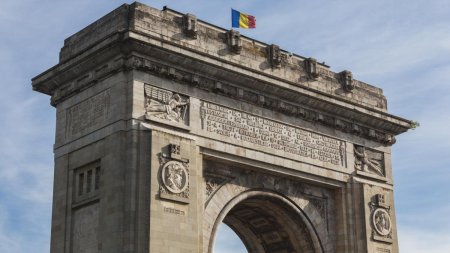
[272,135]
[85,229]
[87,115]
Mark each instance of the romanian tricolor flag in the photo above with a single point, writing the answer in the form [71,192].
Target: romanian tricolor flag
[242,20]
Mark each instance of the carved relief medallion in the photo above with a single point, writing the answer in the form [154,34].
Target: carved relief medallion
[174,177]
[381,222]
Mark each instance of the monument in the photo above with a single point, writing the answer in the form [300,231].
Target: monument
[168,126]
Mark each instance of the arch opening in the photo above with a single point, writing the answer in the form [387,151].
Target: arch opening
[228,241]
[267,223]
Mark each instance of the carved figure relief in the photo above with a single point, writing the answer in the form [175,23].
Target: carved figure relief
[174,176]
[166,105]
[381,219]
[369,161]
[381,222]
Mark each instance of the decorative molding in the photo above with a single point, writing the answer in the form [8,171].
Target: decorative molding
[213,182]
[252,97]
[321,206]
[175,151]
[215,178]
[225,89]
[89,78]
[242,180]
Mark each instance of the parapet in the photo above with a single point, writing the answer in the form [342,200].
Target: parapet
[184,40]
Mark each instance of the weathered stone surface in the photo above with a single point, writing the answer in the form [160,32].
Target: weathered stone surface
[168,126]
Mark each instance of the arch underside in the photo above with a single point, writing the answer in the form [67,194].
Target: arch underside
[269,213]
[267,225]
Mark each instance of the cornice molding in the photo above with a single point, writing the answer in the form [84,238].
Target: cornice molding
[222,88]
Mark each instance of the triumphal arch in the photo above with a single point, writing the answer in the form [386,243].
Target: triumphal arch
[168,126]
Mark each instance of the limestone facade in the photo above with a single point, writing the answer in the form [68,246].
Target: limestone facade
[168,126]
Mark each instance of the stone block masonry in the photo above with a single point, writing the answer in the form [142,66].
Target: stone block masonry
[168,126]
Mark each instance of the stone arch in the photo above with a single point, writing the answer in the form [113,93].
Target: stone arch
[230,203]
[291,195]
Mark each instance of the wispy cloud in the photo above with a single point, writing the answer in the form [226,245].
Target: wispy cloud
[415,240]
[401,46]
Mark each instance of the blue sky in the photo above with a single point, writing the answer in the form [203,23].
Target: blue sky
[401,46]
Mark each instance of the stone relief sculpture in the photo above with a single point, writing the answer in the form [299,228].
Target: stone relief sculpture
[369,161]
[381,222]
[213,184]
[174,176]
[164,104]
[381,219]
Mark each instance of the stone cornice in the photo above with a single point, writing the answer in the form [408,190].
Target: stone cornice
[332,105]
[232,90]
[168,27]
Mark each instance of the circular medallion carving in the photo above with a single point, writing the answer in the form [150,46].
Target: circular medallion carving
[382,222]
[174,177]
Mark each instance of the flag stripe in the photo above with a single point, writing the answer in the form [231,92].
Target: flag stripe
[235,17]
[243,22]
[251,22]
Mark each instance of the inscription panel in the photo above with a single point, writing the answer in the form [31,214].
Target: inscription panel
[271,134]
[174,211]
[383,250]
[88,114]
